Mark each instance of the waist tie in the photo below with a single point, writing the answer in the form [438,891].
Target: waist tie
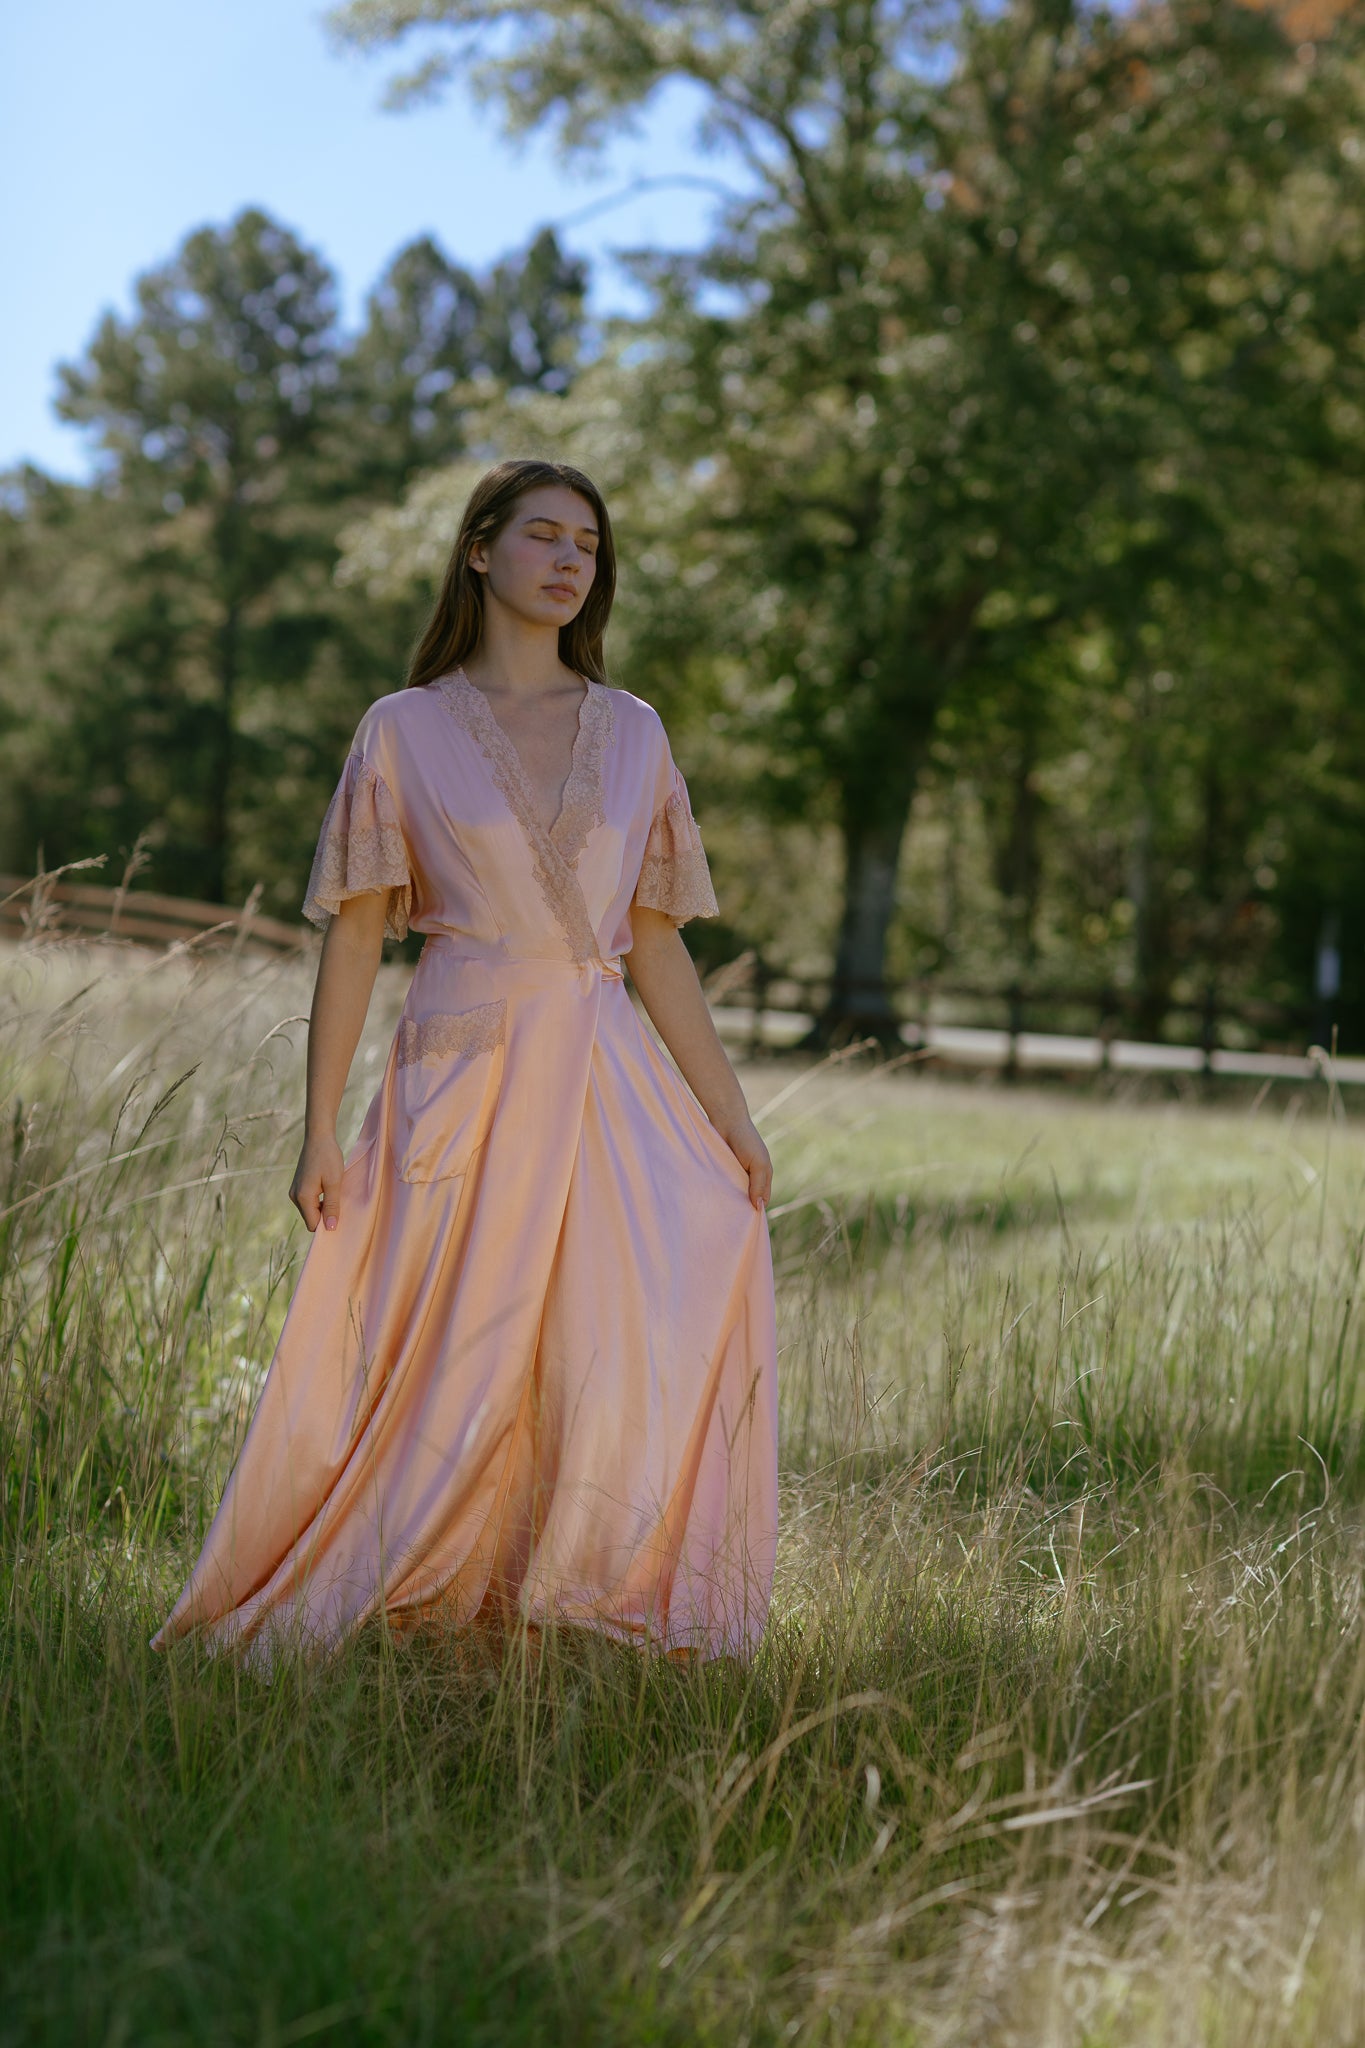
[462,946]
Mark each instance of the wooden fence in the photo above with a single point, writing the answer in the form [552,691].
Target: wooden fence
[52,906]
[767,991]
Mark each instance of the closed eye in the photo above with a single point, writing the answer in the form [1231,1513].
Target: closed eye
[587,542]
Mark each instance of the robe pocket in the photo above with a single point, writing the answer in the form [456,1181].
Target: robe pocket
[449,1074]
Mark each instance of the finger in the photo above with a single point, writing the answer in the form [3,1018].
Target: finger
[331,1203]
[306,1203]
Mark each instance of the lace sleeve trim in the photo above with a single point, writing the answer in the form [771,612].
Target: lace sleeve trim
[674,875]
[360,848]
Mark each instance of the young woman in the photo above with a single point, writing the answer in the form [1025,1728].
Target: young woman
[529,1369]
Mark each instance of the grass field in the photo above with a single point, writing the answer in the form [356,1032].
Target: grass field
[1058,1733]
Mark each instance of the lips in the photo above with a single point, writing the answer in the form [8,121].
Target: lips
[560,590]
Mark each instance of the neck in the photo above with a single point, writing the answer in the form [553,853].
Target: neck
[515,655]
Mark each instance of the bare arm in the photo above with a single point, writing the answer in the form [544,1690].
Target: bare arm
[661,969]
[341,996]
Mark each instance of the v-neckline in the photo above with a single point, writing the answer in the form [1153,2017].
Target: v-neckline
[582,805]
[498,743]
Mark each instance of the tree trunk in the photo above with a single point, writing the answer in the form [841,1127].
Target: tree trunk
[1017,866]
[1148,887]
[860,1004]
[881,775]
[221,762]
[1151,930]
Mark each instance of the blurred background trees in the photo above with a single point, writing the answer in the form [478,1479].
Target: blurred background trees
[989,493]
[179,661]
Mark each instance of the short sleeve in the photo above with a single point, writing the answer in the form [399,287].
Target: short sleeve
[361,848]
[674,876]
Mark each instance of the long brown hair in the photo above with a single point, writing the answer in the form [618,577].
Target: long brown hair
[456,624]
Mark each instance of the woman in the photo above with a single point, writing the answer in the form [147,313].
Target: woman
[529,1368]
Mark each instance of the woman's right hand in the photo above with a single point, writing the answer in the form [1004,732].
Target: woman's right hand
[315,1189]
[341,995]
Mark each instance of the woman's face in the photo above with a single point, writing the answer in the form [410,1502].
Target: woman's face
[542,563]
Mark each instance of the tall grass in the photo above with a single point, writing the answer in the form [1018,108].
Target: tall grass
[1056,1735]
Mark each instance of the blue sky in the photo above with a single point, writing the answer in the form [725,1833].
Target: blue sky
[124,124]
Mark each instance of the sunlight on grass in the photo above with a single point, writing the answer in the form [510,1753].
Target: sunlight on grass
[1056,1735]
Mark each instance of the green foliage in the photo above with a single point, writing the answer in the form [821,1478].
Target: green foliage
[196,699]
[1019,334]
[989,492]
[224,370]
[432,329]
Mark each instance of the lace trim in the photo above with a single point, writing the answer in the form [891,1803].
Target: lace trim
[679,886]
[465,1034]
[582,806]
[354,858]
[674,875]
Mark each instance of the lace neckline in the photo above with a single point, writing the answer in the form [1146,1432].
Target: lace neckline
[498,743]
[580,801]
[554,849]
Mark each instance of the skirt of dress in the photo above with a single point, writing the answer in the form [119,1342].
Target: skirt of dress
[533,1372]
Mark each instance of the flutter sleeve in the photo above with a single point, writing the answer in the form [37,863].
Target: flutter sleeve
[674,876]
[361,848]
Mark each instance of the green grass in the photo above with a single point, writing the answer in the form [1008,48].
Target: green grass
[1058,1733]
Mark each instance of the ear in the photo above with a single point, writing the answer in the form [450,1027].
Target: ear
[478,558]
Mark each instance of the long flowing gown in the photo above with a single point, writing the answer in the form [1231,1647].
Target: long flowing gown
[533,1371]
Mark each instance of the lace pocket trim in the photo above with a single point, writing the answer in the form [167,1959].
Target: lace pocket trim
[463,1035]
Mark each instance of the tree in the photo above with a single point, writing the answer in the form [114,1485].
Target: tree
[983,291]
[208,405]
[432,327]
[199,689]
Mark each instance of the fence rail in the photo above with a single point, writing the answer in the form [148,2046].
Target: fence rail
[1014,1024]
[765,1006]
[51,906]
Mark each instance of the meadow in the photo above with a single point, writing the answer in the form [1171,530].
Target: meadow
[1057,1735]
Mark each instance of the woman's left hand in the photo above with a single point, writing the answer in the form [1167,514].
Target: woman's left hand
[752,1154]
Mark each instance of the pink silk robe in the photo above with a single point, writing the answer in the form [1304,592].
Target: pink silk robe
[534,1369]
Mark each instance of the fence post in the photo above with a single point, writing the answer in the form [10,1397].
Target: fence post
[1109,1017]
[1208,1025]
[919,991]
[1016,1025]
